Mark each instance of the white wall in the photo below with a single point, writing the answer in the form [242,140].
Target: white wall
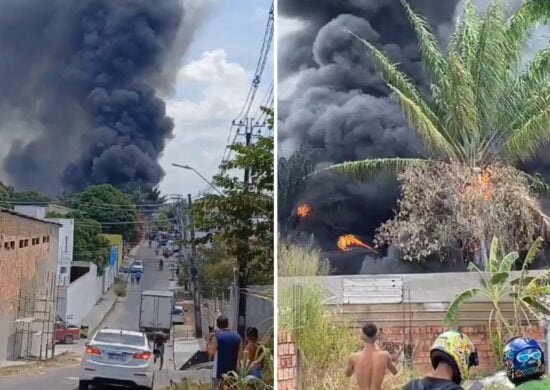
[81,295]
[31,211]
[66,242]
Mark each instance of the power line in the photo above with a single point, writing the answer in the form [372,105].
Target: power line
[260,67]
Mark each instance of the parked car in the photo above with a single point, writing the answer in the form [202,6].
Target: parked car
[117,357]
[137,266]
[66,333]
[178,315]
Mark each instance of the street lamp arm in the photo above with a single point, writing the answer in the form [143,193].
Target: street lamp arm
[200,175]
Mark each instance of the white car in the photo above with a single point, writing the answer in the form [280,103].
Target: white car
[178,315]
[117,357]
[137,266]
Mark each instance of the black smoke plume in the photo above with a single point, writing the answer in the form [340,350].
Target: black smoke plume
[80,80]
[340,105]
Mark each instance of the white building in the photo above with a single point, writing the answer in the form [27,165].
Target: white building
[65,242]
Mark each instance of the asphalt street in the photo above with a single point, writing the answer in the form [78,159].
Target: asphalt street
[125,315]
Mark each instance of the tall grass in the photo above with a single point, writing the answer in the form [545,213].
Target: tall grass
[324,343]
[300,261]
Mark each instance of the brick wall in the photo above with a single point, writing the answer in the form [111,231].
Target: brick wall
[286,361]
[28,261]
[422,338]
[394,338]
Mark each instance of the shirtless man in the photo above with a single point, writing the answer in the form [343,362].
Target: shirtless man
[370,364]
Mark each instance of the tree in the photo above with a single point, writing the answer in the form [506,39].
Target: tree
[89,244]
[6,192]
[291,182]
[242,218]
[527,294]
[110,207]
[484,109]
[30,197]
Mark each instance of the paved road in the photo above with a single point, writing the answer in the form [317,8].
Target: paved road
[125,315]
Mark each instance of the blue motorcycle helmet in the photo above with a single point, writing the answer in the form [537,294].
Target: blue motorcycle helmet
[524,360]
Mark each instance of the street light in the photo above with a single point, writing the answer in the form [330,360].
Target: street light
[201,176]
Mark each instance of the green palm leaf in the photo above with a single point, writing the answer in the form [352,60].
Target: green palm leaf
[360,170]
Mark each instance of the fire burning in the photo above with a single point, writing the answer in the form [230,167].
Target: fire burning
[347,241]
[303,210]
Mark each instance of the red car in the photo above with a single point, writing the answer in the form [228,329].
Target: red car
[66,333]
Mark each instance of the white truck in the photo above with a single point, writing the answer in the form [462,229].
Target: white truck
[155,313]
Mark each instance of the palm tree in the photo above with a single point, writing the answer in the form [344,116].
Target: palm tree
[526,293]
[484,107]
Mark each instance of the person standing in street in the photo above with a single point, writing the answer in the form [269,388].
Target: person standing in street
[138,277]
[158,347]
[226,348]
[369,365]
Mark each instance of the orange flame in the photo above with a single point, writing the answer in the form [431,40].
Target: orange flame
[347,241]
[303,210]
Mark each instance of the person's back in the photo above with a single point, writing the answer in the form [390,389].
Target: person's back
[370,366]
[228,345]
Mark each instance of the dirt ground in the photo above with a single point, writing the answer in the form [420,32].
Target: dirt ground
[62,360]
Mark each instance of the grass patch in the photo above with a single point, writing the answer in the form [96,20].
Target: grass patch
[300,261]
[120,288]
[324,346]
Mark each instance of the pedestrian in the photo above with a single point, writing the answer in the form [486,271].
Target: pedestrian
[226,348]
[525,364]
[255,353]
[452,355]
[158,347]
[370,364]
[132,277]
[138,277]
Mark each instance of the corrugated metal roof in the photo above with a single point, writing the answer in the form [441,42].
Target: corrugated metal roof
[16,214]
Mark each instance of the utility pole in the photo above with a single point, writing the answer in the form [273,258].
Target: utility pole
[248,125]
[194,272]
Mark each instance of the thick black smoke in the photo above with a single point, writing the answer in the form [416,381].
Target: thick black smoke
[340,105]
[83,78]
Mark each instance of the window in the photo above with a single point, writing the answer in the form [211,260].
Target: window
[66,244]
[45,239]
[26,243]
[21,243]
[63,270]
[12,245]
[36,241]
[7,246]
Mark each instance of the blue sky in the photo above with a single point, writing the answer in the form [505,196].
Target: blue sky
[214,78]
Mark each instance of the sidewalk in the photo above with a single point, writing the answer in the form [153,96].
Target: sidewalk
[98,313]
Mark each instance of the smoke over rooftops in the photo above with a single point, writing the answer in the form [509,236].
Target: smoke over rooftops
[84,80]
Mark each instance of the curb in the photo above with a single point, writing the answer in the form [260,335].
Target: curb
[92,332]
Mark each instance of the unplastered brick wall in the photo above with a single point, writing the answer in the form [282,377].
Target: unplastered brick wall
[287,370]
[422,338]
[23,267]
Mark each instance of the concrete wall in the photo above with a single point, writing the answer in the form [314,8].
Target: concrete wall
[116,240]
[31,211]
[28,262]
[259,311]
[77,299]
[66,242]
[423,288]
